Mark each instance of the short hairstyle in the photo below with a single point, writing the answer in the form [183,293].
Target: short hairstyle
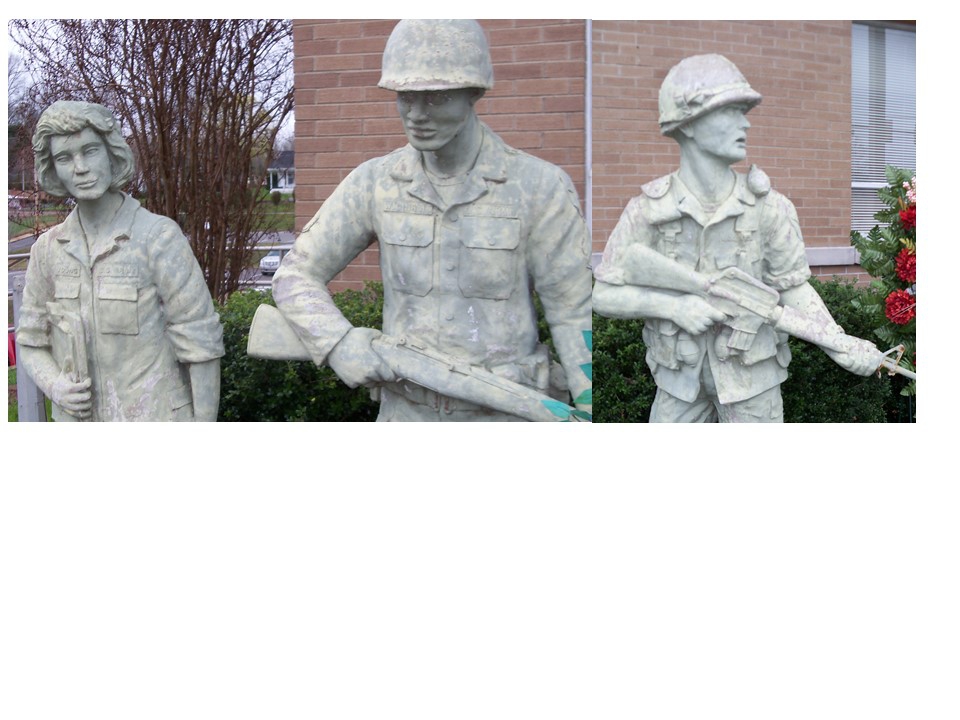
[66,117]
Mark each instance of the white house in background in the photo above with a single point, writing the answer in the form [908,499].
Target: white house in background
[280,174]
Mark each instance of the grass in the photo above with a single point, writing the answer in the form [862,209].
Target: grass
[11,395]
[12,410]
[279,217]
[20,224]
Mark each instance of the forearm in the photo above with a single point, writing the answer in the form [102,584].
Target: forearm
[40,366]
[205,387]
[806,300]
[633,301]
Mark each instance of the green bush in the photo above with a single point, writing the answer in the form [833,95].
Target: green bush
[623,388]
[818,390]
[272,390]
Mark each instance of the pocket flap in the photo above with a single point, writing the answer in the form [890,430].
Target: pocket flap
[67,289]
[117,291]
[490,233]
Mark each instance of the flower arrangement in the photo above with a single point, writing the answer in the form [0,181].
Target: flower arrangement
[889,254]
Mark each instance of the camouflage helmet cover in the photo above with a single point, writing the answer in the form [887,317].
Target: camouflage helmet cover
[699,84]
[436,55]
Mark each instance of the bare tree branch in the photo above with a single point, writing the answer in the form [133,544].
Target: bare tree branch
[200,102]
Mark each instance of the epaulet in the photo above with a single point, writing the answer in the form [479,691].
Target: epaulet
[656,189]
[757,181]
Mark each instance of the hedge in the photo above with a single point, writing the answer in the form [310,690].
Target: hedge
[817,390]
[272,390]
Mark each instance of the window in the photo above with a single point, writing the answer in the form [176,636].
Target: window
[884,111]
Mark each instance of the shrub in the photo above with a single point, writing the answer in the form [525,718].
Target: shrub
[623,389]
[818,390]
[275,197]
[270,390]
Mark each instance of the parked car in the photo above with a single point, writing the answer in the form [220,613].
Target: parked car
[271,261]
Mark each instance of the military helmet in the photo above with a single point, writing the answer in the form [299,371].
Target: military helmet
[699,84]
[436,55]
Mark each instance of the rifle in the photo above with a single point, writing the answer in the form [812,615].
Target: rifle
[749,304]
[272,338]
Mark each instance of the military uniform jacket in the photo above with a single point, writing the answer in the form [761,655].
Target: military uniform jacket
[456,277]
[755,229]
[144,308]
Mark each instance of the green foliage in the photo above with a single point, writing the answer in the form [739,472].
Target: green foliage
[624,388]
[818,389]
[271,390]
[878,253]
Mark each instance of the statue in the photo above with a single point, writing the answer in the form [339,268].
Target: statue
[467,226]
[713,261]
[117,323]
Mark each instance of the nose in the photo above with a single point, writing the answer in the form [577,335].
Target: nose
[417,110]
[744,123]
[80,164]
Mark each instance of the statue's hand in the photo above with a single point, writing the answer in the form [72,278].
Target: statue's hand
[861,357]
[695,315]
[355,361]
[74,398]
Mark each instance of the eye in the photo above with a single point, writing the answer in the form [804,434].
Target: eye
[437,98]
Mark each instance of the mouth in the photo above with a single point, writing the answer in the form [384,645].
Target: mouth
[86,185]
[421,133]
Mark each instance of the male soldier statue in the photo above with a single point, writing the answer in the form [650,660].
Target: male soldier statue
[713,260]
[467,227]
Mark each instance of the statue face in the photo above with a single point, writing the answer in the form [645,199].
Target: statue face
[721,133]
[432,118]
[82,163]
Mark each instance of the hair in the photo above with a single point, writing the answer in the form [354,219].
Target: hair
[66,117]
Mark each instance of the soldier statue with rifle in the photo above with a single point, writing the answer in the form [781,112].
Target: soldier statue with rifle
[467,227]
[713,261]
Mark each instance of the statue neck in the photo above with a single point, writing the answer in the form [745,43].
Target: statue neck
[709,178]
[459,155]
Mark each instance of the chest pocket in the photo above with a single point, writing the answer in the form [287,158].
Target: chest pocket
[407,252]
[66,291]
[117,308]
[489,256]
[741,246]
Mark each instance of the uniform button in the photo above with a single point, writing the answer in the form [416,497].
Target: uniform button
[491,241]
[451,266]
[449,316]
[454,216]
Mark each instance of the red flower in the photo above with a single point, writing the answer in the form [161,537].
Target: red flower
[906,263]
[908,217]
[901,307]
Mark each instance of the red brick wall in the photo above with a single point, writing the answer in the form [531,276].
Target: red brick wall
[537,104]
[801,130]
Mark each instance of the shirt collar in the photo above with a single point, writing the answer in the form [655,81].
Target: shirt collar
[71,233]
[490,167]
[679,201]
